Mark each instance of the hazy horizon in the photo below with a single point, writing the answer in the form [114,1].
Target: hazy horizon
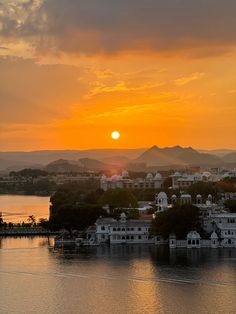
[118,148]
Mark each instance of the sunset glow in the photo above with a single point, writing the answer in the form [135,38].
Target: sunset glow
[151,72]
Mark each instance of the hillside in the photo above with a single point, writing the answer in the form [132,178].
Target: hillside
[177,155]
[230,158]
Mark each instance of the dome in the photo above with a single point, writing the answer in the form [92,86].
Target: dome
[193,235]
[199,196]
[162,195]
[177,174]
[115,178]
[158,176]
[123,215]
[125,174]
[206,174]
[149,176]
[185,196]
[214,235]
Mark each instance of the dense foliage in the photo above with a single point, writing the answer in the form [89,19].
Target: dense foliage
[119,198]
[204,189]
[74,208]
[178,220]
[32,173]
[231,205]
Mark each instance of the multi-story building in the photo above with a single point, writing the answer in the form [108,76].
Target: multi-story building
[124,181]
[123,231]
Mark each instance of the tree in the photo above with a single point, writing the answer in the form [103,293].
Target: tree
[203,188]
[32,173]
[179,220]
[31,219]
[73,208]
[227,184]
[43,223]
[133,213]
[1,221]
[231,205]
[77,217]
[118,198]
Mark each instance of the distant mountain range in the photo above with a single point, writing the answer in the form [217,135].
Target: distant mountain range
[102,159]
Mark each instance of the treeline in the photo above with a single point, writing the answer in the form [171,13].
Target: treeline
[29,173]
[29,187]
[73,207]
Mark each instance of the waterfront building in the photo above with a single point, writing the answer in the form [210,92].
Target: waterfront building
[123,230]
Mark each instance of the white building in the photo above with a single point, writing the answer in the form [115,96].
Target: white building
[185,180]
[161,202]
[124,181]
[123,231]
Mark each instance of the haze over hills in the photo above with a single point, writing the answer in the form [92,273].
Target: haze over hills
[177,155]
[100,159]
[44,157]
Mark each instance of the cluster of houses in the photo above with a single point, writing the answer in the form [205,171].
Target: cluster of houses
[124,181]
[180,180]
[216,221]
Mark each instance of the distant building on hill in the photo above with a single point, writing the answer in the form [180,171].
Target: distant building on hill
[124,181]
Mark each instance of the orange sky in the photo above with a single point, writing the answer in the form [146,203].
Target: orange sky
[159,73]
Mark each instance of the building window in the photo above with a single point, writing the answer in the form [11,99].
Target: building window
[114,229]
[140,237]
[102,228]
[139,229]
[123,229]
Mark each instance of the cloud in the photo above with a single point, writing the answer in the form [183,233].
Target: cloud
[35,93]
[197,28]
[187,79]
[121,86]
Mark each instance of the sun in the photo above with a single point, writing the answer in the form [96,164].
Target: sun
[115,135]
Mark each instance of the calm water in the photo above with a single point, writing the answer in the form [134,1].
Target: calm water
[119,279]
[17,208]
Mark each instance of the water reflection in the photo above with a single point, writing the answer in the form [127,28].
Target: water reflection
[119,279]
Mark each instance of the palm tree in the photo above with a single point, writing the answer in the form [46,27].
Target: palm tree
[32,220]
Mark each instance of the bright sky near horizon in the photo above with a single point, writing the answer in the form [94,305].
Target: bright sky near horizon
[159,72]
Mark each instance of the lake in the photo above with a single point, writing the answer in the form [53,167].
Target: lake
[118,279]
[17,208]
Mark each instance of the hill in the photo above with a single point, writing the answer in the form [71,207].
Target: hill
[230,158]
[177,155]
